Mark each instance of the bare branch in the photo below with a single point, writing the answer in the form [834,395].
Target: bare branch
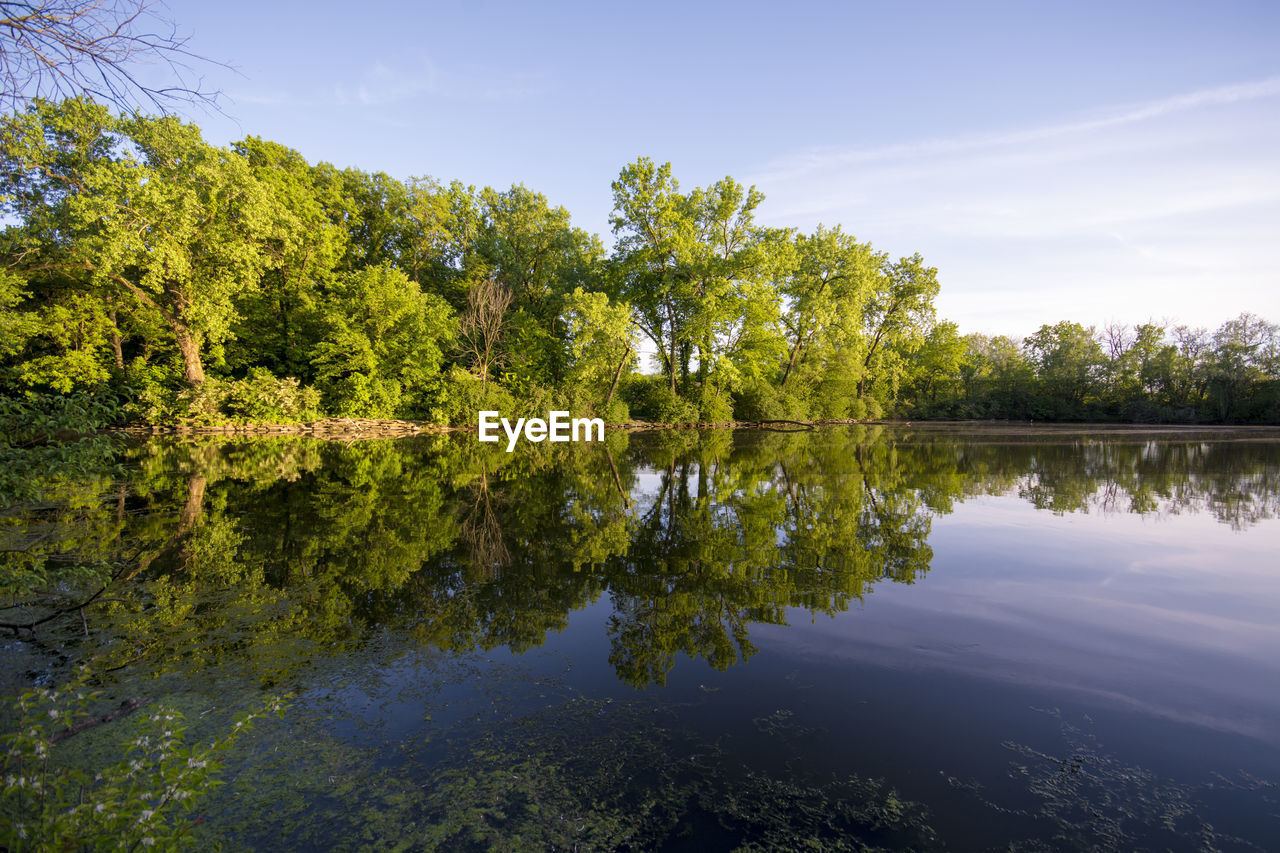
[55,49]
[481,325]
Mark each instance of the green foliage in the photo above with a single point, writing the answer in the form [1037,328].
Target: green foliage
[278,323]
[46,439]
[52,801]
[459,395]
[650,398]
[382,346]
[699,276]
[1144,373]
[1069,361]
[16,327]
[601,349]
[716,406]
[762,401]
[139,256]
[262,398]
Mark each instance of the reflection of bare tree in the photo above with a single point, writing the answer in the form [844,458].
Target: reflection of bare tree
[482,532]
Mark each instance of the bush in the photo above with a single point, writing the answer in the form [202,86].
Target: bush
[650,398]
[717,406]
[761,402]
[262,398]
[459,395]
[617,412]
[201,406]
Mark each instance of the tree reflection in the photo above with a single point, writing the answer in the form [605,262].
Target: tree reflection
[249,559]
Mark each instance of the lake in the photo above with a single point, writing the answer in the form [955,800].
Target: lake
[961,637]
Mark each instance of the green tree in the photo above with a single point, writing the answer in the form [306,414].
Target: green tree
[824,295]
[383,343]
[278,324]
[997,377]
[700,276]
[1244,367]
[934,376]
[655,229]
[897,315]
[602,344]
[1069,362]
[533,250]
[142,208]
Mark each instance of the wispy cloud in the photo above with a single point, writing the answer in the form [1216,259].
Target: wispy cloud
[388,84]
[819,159]
[1167,207]
[263,99]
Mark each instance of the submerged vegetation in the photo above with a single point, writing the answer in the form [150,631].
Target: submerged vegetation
[185,282]
[207,576]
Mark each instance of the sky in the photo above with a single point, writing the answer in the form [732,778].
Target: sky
[1095,162]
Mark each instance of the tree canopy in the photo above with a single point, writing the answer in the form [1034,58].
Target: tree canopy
[193,282]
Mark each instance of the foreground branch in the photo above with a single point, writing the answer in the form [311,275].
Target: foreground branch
[56,49]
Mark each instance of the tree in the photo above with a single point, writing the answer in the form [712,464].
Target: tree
[601,341]
[997,377]
[55,49]
[142,208]
[824,293]
[655,229]
[898,313]
[383,344]
[481,326]
[697,272]
[936,368]
[278,322]
[1246,356]
[533,250]
[1069,361]
[732,267]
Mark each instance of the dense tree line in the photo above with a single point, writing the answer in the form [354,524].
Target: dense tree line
[183,281]
[1145,373]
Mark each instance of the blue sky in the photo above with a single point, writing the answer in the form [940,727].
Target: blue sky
[1054,161]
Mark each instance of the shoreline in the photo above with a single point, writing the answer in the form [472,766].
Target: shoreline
[374,428]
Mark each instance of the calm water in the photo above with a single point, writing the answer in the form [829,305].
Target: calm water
[899,637]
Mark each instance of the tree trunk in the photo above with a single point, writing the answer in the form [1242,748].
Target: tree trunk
[673,362]
[117,346]
[791,363]
[704,359]
[617,374]
[192,369]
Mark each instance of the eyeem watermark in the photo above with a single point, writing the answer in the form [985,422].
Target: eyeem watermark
[560,428]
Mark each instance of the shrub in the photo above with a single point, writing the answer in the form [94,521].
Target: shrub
[458,395]
[263,398]
[762,401]
[717,406]
[650,398]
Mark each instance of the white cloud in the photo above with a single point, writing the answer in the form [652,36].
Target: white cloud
[388,84]
[1167,208]
[823,159]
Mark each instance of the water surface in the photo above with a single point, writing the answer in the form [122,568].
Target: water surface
[902,637]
